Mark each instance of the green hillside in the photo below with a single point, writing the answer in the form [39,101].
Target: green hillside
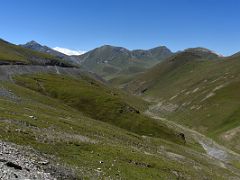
[198,92]
[96,101]
[42,113]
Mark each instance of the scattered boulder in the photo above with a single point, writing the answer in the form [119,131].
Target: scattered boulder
[33,117]
[13,165]
[182,136]
[43,162]
[142,164]
[144,90]
[126,108]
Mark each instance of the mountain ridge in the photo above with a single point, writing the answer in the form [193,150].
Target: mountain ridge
[110,61]
[14,54]
[33,45]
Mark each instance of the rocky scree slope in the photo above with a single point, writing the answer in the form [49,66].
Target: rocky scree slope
[18,162]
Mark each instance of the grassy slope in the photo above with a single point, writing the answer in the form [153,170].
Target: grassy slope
[96,101]
[82,142]
[16,54]
[120,80]
[187,84]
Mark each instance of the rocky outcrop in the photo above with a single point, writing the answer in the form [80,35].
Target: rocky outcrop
[17,162]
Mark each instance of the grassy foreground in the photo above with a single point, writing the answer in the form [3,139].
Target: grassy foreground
[43,114]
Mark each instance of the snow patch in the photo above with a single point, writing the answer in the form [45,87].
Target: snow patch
[69,52]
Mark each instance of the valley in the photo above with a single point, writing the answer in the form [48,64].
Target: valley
[176,118]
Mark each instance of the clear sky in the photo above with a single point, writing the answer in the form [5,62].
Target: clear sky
[134,24]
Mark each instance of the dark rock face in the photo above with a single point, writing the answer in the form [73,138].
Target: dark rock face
[182,136]
[13,165]
[144,90]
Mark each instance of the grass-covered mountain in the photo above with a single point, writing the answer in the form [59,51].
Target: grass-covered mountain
[13,54]
[199,91]
[109,61]
[167,65]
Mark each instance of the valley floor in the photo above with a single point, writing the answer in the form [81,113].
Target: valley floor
[219,154]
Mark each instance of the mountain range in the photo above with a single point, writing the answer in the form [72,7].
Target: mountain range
[113,113]
[110,61]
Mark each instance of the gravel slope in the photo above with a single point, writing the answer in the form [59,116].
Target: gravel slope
[18,162]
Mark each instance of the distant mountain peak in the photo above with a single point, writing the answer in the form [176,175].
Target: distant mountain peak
[159,47]
[108,60]
[104,47]
[198,49]
[33,43]
[107,46]
[202,50]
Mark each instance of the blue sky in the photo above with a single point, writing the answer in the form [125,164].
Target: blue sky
[134,24]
